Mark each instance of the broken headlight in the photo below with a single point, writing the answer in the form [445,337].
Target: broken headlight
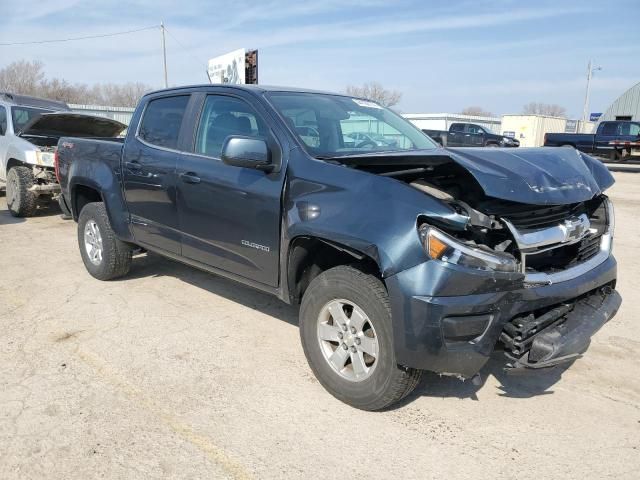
[443,247]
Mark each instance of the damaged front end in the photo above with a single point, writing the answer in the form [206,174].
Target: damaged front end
[531,270]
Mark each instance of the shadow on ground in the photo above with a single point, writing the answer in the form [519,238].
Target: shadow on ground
[150,264]
[523,385]
[48,210]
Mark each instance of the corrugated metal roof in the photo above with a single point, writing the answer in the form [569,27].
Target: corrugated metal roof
[121,114]
[628,104]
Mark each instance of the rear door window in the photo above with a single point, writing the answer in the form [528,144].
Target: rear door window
[610,128]
[457,127]
[160,125]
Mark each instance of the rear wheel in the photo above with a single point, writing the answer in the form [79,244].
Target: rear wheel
[105,256]
[21,201]
[616,156]
[345,327]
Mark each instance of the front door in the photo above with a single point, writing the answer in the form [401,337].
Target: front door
[230,216]
[149,173]
[474,136]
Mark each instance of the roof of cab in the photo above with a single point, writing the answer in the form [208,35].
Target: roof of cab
[252,88]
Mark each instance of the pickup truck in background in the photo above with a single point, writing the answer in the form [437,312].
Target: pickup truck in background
[29,131]
[403,258]
[616,140]
[470,135]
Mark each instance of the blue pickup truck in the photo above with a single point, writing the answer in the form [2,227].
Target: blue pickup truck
[403,258]
[616,140]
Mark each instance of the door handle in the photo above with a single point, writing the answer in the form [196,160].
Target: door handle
[133,165]
[190,177]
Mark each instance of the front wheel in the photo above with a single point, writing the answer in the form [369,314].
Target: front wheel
[21,201]
[346,333]
[104,255]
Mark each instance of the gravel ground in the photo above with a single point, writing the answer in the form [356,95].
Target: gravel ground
[174,373]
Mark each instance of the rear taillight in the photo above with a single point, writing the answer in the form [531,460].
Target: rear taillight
[56,165]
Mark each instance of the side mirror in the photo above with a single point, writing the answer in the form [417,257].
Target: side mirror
[246,152]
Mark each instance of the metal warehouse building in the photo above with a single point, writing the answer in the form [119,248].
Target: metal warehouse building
[121,114]
[442,121]
[626,107]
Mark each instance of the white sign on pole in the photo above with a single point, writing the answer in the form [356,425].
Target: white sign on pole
[228,68]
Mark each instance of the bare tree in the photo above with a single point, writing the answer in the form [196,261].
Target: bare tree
[28,78]
[124,95]
[376,92]
[539,108]
[22,77]
[476,111]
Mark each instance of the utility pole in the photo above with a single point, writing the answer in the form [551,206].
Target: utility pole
[585,111]
[164,55]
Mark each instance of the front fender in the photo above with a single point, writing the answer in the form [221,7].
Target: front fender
[374,215]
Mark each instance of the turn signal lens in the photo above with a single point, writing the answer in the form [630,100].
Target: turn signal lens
[443,247]
[436,247]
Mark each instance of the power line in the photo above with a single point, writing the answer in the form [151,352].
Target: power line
[37,42]
[185,48]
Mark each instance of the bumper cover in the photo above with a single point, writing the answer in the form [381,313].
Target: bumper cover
[567,334]
[424,296]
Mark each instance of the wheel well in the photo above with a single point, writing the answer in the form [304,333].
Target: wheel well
[309,257]
[15,163]
[82,195]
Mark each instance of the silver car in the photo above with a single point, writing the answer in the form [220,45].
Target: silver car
[29,131]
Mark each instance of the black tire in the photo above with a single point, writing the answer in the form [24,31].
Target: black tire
[387,383]
[115,258]
[21,202]
[616,157]
[492,145]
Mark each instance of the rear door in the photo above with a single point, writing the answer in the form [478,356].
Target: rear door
[230,216]
[149,173]
[455,138]
[473,136]
[607,132]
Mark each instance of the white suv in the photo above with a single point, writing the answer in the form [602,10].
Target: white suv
[29,131]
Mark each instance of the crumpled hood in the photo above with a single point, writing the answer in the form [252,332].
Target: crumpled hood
[67,124]
[539,176]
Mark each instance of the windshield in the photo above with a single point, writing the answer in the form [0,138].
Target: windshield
[334,125]
[23,115]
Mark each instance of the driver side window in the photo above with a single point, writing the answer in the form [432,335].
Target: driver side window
[222,117]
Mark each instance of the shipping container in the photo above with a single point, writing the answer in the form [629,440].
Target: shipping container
[529,130]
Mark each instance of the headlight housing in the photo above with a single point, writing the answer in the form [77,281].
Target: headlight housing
[440,246]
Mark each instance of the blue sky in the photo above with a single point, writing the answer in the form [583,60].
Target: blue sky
[443,56]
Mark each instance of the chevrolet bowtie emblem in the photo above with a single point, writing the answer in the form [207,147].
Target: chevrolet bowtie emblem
[575,228]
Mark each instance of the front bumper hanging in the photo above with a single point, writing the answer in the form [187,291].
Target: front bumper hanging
[560,334]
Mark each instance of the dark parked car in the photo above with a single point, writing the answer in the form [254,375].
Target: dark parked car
[470,135]
[415,259]
[616,140]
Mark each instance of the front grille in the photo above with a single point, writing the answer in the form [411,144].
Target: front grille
[549,258]
[541,217]
[564,257]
